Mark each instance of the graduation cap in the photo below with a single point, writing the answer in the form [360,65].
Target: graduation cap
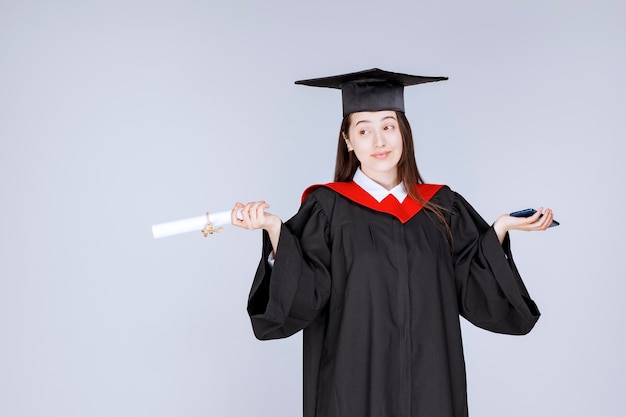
[371,90]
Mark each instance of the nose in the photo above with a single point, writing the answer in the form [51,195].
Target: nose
[379,139]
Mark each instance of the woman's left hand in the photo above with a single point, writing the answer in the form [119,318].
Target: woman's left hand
[541,220]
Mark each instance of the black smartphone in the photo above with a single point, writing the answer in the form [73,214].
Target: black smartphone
[529,212]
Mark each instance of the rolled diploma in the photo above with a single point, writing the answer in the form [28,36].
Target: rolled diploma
[191,224]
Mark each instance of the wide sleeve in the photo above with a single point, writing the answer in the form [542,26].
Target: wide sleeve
[490,290]
[290,295]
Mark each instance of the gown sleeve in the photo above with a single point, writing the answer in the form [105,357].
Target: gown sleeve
[490,290]
[290,295]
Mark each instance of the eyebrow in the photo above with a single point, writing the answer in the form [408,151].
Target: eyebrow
[369,121]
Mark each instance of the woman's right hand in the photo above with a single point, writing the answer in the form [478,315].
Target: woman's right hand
[253,216]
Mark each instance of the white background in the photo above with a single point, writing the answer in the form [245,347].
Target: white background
[120,114]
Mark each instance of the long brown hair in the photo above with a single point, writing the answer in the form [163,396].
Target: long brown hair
[346,165]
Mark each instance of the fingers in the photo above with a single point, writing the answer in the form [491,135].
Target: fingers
[535,217]
[249,216]
[235,216]
[539,221]
[545,221]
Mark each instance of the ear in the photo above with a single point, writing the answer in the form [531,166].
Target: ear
[348,144]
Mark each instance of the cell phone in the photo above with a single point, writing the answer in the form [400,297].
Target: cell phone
[529,212]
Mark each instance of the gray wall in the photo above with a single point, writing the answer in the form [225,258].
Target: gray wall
[120,114]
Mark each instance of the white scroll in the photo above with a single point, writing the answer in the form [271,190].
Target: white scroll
[207,224]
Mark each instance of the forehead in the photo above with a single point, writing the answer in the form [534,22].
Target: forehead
[372,116]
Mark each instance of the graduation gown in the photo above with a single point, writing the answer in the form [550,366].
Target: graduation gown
[378,289]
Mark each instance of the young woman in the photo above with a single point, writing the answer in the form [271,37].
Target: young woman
[377,266]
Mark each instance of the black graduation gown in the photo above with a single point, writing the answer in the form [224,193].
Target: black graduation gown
[379,297]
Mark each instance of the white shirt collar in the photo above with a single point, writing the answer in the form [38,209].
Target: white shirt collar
[376,190]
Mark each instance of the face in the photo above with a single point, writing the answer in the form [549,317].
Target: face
[377,143]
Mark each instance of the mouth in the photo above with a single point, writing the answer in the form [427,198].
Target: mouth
[381,155]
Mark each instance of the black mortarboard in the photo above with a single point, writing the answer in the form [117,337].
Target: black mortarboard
[371,90]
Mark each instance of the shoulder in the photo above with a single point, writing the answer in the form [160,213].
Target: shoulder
[456,206]
[325,191]
[435,192]
[428,191]
[309,190]
[442,195]
[316,207]
[319,197]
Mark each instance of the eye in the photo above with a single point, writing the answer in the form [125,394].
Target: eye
[389,127]
[363,132]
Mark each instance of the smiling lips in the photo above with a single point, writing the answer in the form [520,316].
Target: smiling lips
[381,155]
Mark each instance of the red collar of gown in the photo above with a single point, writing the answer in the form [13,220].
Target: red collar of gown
[402,211]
